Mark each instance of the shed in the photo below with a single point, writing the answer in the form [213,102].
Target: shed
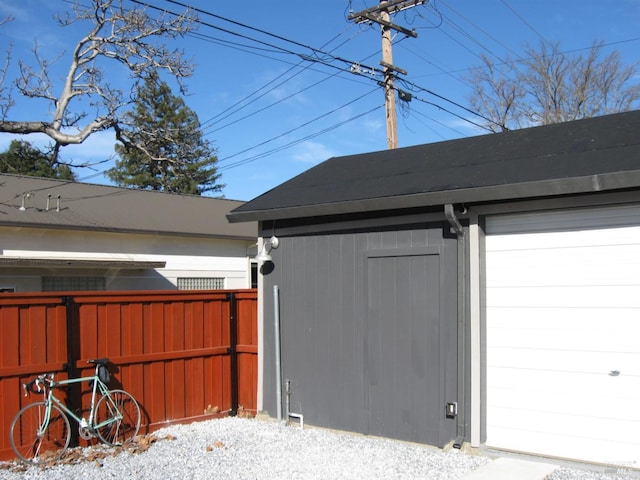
[482,290]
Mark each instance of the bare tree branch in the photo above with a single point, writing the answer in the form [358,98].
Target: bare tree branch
[130,37]
[551,87]
[6,92]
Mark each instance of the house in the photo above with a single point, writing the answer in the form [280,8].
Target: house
[60,235]
[482,290]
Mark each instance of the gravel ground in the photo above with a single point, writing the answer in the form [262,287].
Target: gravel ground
[236,448]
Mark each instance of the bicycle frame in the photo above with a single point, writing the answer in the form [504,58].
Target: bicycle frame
[44,426]
[98,386]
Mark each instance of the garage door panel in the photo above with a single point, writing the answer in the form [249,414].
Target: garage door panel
[564,271]
[618,451]
[563,330]
[622,388]
[575,362]
[539,342]
[610,405]
[604,429]
[601,296]
[572,320]
[567,239]
[600,338]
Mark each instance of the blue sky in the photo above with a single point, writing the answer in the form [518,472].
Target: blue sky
[275,105]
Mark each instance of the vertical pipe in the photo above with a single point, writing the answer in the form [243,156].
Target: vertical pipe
[276,320]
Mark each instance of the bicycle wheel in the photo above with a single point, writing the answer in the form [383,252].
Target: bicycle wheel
[31,447]
[122,413]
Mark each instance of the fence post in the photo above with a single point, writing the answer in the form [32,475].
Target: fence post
[233,351]
[74,392]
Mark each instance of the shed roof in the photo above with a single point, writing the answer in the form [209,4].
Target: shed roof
[51,203]
[590,155]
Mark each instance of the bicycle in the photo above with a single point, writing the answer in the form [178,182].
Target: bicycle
[41,432]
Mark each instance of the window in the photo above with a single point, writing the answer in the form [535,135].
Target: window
[254,274]
[7,289]
[194,283]
[57,284]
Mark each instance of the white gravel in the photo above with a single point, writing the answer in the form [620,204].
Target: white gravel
[236,448]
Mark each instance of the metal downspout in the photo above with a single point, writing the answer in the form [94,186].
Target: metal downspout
[276,321]
[450,214]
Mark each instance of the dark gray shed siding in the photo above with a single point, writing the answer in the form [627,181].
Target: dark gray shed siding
[357,362]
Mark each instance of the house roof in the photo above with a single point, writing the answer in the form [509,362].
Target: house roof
[50,203]
[582,156]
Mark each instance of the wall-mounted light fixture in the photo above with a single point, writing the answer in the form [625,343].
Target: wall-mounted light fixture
[264,255]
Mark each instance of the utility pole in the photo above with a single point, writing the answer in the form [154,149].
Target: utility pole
[381,15]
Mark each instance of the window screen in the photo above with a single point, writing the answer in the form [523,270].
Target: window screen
[57,284]
[193,283]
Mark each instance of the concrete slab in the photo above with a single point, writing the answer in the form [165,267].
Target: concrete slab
[510,468]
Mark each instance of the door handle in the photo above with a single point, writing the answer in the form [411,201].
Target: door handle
[614,373]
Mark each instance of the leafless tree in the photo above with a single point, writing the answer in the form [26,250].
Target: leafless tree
[86,101]
[550,86]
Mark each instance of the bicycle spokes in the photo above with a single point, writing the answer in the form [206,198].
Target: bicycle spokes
[117,417]
[38,434]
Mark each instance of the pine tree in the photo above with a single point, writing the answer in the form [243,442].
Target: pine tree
[166,150]
[21,158]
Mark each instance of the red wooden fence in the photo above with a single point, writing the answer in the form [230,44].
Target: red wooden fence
[180,354]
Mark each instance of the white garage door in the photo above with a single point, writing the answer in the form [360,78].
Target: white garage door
[563,334]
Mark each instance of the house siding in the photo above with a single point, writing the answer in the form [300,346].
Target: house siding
[184,257]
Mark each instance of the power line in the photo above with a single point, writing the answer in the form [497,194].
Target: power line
[415,112]
[415,87]
[300,140]
[363,70]
[483,31]
[255,112]
[328,59]
[241,103]
[298,127]
[314,59]
[315,51]
[440,107]
[523,20]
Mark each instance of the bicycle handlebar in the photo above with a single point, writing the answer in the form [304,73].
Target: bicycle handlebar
[38,384]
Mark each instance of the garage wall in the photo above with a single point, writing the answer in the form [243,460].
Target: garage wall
[368,330]
[563,323]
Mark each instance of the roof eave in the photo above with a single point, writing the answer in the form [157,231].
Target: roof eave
[514,191]
[80,263]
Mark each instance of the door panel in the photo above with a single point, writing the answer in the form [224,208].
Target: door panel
[403,347]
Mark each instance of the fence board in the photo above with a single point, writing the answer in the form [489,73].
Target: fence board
[170,350]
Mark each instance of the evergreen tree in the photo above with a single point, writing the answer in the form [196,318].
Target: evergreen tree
[164,147]
[21,158]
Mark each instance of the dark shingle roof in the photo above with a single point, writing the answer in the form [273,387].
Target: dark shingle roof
[104,208]
[588,155]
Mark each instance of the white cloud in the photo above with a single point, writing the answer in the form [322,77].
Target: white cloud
[312,153]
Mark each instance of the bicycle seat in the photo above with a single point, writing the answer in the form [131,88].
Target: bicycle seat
[99,361]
